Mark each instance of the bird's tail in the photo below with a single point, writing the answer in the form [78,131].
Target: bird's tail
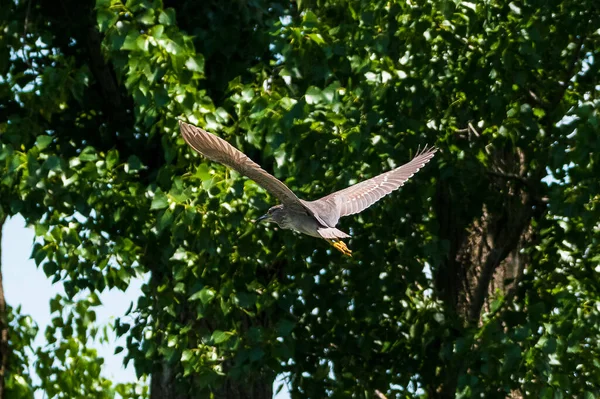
[332,233]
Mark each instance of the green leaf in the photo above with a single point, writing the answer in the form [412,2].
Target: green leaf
[222,115]
[40,229]
[218,336]
[313,95]
[512,356]
[165,220]
[156,31]
[167,17]
[106,19]
[179,288]
[329,92]
[143,43]
[245,299]
[549,346]
[130,42]
[147,17]
[160,200]
[317,38]
[52,163]
[187,355]
[112,158]
[41,142]
[133,164]
[50,268]
[161,97]
[205,295]
[38,253]
[225,306]
[285,327]
[88,154]
[247,94]
[195,64]
[310,19]
[203,171]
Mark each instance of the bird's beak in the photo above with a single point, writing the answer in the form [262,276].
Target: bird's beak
[266,216]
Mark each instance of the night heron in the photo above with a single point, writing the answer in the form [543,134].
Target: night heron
[315,218]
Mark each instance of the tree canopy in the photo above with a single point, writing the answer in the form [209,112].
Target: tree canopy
[477,279]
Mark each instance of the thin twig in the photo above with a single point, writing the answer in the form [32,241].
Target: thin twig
[535,97]
[473,129]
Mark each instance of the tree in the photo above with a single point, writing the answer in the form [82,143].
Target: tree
[477,279]
[65,365]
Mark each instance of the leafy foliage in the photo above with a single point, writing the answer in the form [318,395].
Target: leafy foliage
[18,383]
[478,279]
[65,366]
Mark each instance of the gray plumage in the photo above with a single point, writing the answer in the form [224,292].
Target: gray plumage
[315,218]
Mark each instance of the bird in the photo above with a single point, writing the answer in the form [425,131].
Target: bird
[315,218]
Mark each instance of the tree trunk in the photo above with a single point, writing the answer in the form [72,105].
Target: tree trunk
[239,390]
[482,252]
[164,382]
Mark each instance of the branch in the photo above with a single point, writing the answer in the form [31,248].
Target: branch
[505,240]
[512,291]
[475,132]
[492,262]
[469,129]
[535,98]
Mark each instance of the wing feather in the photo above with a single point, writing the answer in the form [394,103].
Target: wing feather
[360,196]
[218,150]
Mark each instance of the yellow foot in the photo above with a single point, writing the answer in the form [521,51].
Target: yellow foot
[341,246]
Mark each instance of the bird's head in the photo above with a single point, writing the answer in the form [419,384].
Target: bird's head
[275,214]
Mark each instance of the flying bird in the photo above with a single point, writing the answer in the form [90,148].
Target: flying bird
[315,218]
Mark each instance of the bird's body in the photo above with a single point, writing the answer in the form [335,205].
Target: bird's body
[298,220]
[309,221]
[314,218]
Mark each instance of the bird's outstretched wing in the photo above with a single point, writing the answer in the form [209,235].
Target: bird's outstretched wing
[360,196]
[218,150]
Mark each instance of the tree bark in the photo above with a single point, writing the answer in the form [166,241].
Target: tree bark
[255,390]
[163,385]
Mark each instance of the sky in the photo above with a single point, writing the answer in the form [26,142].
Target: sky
[28,286]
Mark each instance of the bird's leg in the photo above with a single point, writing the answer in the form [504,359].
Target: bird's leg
[341,246]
